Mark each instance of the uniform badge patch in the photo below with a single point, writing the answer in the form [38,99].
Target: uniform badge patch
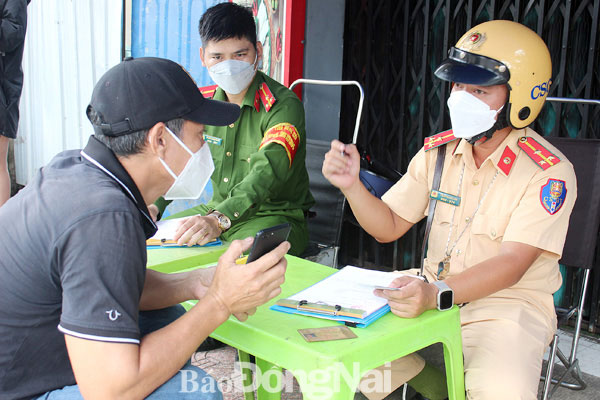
[445,197]
[553,195]
[212,139]
[284,134]
[473,41]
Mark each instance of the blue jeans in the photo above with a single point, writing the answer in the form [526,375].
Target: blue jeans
[189,383]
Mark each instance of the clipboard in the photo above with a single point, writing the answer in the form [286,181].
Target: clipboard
[346,296]
[348,321]
[167,243]
[166,230]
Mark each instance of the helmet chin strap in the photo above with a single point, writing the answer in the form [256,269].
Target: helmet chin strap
[501,123]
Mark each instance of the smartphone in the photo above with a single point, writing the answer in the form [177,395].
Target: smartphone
[267,240]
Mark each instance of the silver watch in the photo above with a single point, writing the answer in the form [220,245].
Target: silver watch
[445,296]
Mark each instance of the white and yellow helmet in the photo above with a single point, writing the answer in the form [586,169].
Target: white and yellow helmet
[503,52]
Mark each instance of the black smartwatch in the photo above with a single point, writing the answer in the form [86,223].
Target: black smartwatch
[445,296]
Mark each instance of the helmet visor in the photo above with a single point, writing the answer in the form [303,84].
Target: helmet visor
[473,69]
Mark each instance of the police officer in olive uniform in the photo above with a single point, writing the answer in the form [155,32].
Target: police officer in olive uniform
[260,178]
[501,218]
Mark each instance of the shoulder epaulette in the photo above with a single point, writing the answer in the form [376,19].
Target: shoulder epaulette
[538,153]
[266,97]
[431,142]
[208,91]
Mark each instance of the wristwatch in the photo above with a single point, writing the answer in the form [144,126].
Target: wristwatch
[445,296]
[222,219]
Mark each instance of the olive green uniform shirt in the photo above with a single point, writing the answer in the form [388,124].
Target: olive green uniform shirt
[258,188]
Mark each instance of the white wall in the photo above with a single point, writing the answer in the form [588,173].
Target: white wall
[69,45]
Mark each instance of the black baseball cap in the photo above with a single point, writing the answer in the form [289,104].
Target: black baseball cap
[138,93]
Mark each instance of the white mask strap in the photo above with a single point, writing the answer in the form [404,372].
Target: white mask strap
[179,140]
[169,170]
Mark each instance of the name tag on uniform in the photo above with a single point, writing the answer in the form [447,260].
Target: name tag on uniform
[445,197]
[212,139]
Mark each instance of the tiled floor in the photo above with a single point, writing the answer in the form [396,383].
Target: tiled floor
[588,352]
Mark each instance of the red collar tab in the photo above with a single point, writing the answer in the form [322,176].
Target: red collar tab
[538,153]
[257,102]
[455,147]
[208,91]
[441,138]
[507,159]
[266,97]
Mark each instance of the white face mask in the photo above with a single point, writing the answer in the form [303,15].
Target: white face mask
[469,115]
[233,76]
[195,175]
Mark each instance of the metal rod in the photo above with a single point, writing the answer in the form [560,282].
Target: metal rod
[573,354]
[339,83]
[573,100]
[550,368]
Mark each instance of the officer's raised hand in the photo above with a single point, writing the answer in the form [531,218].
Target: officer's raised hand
[341,168]
[342,165]
[197,230]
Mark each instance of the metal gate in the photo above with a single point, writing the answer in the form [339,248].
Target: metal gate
[392,48]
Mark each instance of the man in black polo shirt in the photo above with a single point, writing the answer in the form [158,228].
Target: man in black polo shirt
[73,256]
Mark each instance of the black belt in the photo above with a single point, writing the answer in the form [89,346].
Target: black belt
[437,177]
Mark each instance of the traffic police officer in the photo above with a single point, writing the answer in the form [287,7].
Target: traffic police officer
[260,176]
[502,214]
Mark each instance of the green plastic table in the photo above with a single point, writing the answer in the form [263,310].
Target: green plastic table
[331,369]
[175,259]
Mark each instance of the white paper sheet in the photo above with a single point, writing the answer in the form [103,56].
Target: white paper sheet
[351,287]
[167,228]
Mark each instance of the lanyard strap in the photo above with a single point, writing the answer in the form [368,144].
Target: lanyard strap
[437,177]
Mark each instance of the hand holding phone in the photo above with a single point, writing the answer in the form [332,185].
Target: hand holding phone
[241,288]
[267,240]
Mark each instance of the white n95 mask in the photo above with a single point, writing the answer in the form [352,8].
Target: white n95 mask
[195,175]
[233,76]
[469,115]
